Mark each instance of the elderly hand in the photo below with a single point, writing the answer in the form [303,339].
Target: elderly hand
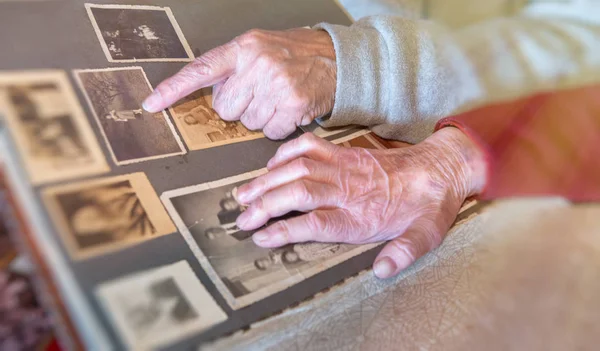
[273,81]
[410,196]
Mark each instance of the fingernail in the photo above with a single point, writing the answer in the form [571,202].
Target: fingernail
[243,219]
[384,268]
[267,238]
[260,237]
[152,102]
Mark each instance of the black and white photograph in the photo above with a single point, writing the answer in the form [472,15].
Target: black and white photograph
[53,136]
[95,217]
[129,33]
[243,272]
[159,307]
[115,96]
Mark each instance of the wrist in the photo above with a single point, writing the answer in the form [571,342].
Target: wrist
[326,53]
[465,162]
[324,45]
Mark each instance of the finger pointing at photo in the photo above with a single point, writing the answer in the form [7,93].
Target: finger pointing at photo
[269,80]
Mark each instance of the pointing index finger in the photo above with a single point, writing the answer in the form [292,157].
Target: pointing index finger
[206,70]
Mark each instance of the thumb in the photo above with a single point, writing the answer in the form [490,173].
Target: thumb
[403,251]
[206,70]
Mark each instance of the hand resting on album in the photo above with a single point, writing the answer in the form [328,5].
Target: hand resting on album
[269,80]
[410,196]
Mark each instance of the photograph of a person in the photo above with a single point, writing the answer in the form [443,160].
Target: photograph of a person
[201,126]
[47,123]
[160,306]
[115,96]
[98,216]
[243,272]
[129,33]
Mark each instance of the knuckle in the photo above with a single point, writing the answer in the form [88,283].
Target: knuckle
[266,59]
[251,37]
[316,223]
[170,87]
[308,141]
[283,228]
[283,77]
[300,193]
[299,99]
[257,185]
[201,61]
[259,204]
[302,166]
[406,247]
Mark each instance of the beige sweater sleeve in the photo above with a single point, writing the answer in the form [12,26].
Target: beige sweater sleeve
[400,76]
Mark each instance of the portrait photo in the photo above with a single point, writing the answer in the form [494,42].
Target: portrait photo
[243,272]
[133,135]
[98,216]
[130,33]
[158,307]
[53,136]
[201,126]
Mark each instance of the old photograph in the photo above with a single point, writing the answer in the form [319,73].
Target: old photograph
[159,307]
[243,272]
[115,96]
[201,126]
[50,130]
[98,216]
[130,33]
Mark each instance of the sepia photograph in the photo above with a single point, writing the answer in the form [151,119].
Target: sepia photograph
[50,130]
[115,96]
[102,215]
[159,307]
[243,272]
[201,126]
[129,33]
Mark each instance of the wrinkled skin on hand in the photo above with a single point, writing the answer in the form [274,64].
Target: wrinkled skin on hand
[269,80]
[409,196]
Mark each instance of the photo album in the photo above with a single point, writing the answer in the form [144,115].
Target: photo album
[130,215]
